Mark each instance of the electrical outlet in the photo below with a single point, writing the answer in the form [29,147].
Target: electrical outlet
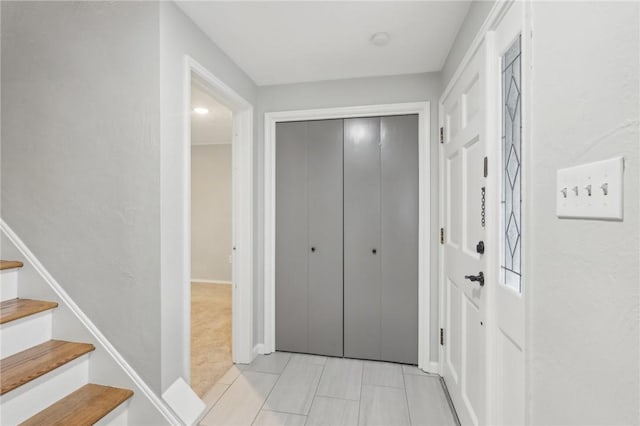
[591,191]
[230,258]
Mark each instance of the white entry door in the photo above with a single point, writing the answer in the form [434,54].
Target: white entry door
[482,211]
[463,264]
[507,73]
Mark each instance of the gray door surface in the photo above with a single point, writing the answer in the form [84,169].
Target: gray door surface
[381,238]
[309,237]
[348,273]
[399,239]
[362,274]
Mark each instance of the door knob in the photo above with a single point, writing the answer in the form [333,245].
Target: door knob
[313,249]
[479,278]
[374,251]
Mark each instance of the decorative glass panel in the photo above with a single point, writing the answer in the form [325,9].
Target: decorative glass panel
[511,167]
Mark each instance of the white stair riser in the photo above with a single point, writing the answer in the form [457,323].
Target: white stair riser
[118,417]
[31,398]
[18,335]
[8,284]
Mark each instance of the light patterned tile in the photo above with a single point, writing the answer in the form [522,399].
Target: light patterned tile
[308,359]
[342,378]
[294,391]
[382,374]
[230,376]
[413,370]
[383,406]
[333,412]
[213,394]
[274,418]
[273,363]
[242,401]
[428,404]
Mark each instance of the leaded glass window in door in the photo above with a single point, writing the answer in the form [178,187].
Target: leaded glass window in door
[511,167]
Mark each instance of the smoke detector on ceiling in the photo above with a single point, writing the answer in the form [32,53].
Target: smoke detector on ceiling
[380,39]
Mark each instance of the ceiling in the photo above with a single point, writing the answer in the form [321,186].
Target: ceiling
[279,42]
[214,127]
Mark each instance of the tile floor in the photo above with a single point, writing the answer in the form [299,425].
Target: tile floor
[295,389]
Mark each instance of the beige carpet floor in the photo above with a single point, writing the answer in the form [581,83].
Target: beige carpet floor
[210,334]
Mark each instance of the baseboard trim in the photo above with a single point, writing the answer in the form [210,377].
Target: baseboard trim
[434,367]
[257,350]
[160,405]
[199,280]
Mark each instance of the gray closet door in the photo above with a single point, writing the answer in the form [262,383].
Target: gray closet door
[324,185]
[362,277]
[399,239]
[291,237]
[381,238]
[309,237]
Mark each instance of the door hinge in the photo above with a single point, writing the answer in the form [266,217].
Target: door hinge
[442,337]
[441,134]
[486,166]
[441,235]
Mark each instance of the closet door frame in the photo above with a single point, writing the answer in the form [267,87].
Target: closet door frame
[423,110]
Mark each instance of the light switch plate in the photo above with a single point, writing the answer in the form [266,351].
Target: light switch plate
[605,181]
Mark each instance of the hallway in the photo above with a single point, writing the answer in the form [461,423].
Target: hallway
[296,389]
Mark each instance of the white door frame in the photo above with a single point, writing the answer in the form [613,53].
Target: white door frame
[493,111]
[242,210]
[424,221]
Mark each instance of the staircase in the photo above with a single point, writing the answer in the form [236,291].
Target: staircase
[45,381]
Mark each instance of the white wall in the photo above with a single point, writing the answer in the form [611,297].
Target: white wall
[478,12]
[180,37]
[81,159]
[211,212]
[339,93]
[584,327]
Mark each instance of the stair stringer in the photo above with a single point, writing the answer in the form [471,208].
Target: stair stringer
[107,366]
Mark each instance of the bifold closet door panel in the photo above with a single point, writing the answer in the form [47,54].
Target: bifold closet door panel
[324,184]
[361,238]
[291,237]
[399,238]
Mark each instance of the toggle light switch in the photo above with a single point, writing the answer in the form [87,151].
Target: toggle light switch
[602,197]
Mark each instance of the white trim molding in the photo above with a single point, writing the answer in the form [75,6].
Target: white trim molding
[424,222]
[242,210]
[158,403]
[258,350]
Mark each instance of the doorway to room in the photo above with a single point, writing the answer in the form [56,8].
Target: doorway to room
[211,238]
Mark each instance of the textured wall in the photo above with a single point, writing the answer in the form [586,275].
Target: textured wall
[211,212]
[584,314]
[340,93]
[81,159]
[476,15]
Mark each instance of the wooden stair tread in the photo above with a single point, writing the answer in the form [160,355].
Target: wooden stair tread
[10,264]
[14,309]
[25,366]
[84,406]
